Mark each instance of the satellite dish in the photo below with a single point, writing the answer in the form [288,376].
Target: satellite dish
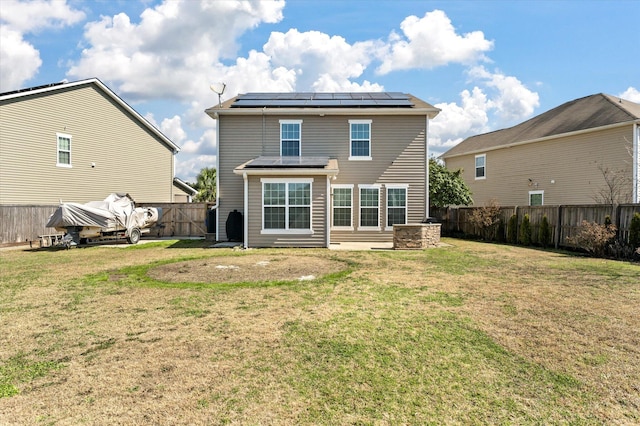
[219,89]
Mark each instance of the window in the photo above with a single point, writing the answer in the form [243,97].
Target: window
[342,206]
[536,198]
[286,205]
[370,207]
[396,205]
[64,150]
[481,161]
[360,139]
[290,138]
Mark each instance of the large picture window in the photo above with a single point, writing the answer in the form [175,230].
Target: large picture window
[343,206]
[369,207]
[290,141]
[64,150]
[396,205]
[481,166]
[286,205]
[360,139]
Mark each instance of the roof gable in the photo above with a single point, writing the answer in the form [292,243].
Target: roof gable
[585,113]
[54,87]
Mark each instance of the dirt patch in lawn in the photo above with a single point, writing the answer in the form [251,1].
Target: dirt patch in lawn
[238,269]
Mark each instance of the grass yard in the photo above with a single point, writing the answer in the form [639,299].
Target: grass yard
[173,333]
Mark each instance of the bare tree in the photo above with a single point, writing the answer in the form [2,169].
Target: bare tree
[616,188]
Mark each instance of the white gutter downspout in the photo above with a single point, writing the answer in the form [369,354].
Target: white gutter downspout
[246,210]
[328,215]
[636,163]
[217,178]
[426,168]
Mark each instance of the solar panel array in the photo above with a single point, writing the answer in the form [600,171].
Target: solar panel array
[300,162]
[316,100]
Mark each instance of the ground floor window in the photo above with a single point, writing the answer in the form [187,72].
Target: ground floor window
[396,205]
[342,207]
[536,198]
[369,207]
[286,204]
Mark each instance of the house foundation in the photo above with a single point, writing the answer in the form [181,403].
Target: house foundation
[416,236]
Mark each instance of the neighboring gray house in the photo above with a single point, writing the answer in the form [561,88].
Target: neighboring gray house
[559,157]
[310,169]
[79,142]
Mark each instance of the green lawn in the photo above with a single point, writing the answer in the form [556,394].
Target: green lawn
[470,333]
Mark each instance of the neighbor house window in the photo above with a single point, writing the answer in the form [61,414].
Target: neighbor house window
[360,139]
[290,138]
[536,198]
[396,205]
[369,207]
[286,205]
[481,166]
[343,206]
[64,150]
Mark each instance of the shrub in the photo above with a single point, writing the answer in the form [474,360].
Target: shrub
[486,219]
[634,231]
[525,231]
[593,237]
[545,232]
[512,229]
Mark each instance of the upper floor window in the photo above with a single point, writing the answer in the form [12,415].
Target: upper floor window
[360,139]
[64,150]
[481,166]
[290,138]
[396,205]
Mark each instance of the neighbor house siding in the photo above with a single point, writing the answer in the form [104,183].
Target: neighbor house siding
[565,168]
[127,156]
[397,149]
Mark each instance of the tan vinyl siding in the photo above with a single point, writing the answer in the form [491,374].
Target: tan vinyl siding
[127,156]
[397,150]
[570,162]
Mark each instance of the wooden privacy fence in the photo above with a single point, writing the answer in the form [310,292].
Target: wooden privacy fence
[564,221]
[24,223]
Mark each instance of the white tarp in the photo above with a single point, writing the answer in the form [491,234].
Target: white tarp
[117,211]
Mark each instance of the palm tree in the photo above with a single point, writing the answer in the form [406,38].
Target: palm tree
[206,185]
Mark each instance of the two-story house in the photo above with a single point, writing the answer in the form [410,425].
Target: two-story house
[311,169]
[581,152]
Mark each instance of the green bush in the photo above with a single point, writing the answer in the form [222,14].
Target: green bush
[634,231]
[512,229]
[525,231]
[544,235]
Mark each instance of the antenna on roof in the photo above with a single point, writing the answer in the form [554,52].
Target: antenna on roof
[219,89]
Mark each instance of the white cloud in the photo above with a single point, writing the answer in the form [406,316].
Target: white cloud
[19,59]
[432,41]
[631,94]
[187,169]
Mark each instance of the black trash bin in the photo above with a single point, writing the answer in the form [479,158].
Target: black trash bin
[234,226]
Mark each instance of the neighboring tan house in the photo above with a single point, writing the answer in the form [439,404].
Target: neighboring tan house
[581,152]
[79,142]
[184,193]
[310,169]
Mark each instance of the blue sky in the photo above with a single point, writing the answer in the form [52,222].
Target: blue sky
[486,64]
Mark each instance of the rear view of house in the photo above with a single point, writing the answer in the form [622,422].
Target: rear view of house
[581,152]
[310,169]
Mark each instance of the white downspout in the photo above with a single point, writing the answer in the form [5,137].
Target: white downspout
[217,206]
[636,163]
[246,210]
[328,215]
[426,167]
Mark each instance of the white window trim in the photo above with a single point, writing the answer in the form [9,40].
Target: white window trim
[406,201]
[342,228]
[298,122]
[65,136]
[475,167]
[287,231]
[368,228]
[540,192]
[360,157]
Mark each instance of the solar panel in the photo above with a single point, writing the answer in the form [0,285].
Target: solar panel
[293,162]
[322,99]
